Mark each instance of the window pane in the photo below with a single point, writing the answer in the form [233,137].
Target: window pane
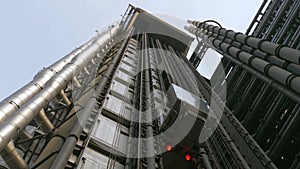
[118,107]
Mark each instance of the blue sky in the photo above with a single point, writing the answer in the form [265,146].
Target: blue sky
[35,33]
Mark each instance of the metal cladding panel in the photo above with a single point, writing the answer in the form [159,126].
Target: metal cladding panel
[94,159]
[105,132]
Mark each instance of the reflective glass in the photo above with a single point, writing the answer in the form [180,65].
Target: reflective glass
[189,98]
[108,132]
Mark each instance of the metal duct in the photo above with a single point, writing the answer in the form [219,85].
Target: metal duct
[287,53]
[11,127]
[283,76]
[257,52]
[17,99]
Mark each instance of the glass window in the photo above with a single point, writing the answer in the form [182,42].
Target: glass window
[118,107]
[105,129]
[127,68]
[129,61]
[94,159]
[131,54]
[123,142]
[132,64]
[124,77]
[119,88]
[113,104]
[191,99]
[124,130]
[109,132]
[131,50]
[127,112]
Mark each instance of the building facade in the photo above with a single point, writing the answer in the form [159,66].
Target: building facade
[130,98]
[127,98]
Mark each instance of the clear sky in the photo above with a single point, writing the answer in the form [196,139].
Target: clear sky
[36,33]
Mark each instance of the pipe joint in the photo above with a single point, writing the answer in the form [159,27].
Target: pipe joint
[75,136]
[267,67]
[228,33]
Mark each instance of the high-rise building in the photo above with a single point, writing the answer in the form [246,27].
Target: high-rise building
[262,87]
[131,98]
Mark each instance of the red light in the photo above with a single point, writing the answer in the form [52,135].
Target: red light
[169,147]
[187,157]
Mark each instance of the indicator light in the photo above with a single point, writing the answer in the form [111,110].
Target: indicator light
[169,147]
[187,157]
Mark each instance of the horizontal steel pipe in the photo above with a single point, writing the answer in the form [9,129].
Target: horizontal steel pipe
[11,127]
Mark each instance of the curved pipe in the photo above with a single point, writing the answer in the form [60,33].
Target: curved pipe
[12,126]
[12,103]
[46,123]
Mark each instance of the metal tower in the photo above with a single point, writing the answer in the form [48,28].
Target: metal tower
[130,98]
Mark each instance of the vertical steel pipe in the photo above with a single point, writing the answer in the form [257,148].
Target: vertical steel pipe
[67,148]
[205,159]
[147,97]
